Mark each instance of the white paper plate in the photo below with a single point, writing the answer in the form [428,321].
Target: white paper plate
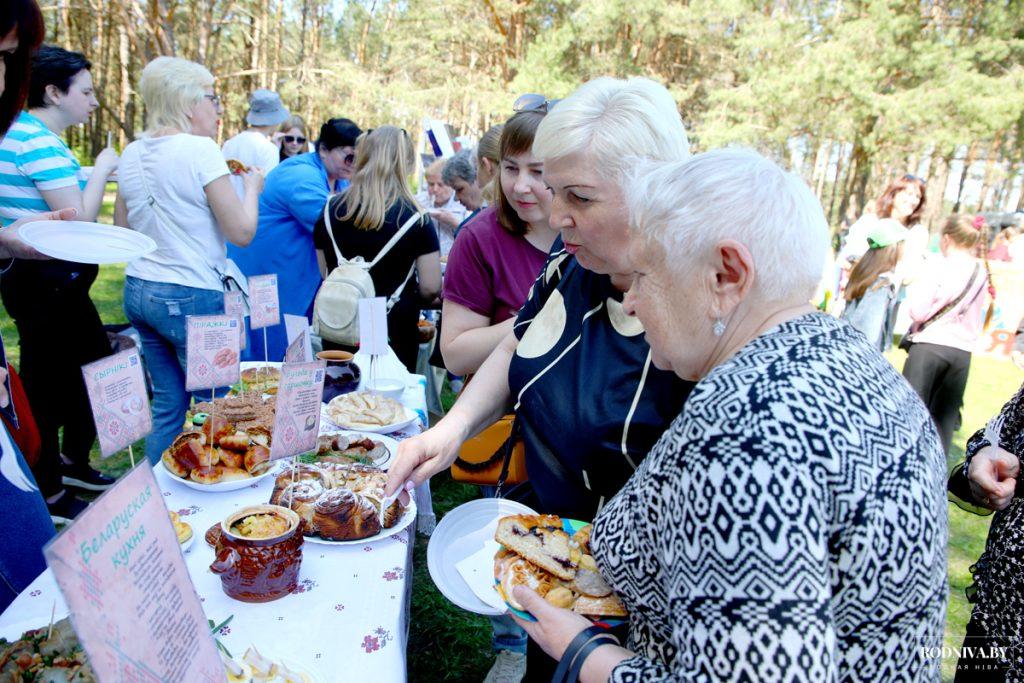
[389,443]
[83,242]
[461,533]
[219,487]
[405,520]
[410,417]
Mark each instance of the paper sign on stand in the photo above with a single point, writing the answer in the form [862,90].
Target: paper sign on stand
[212,348]
[234,304]
[373,326]
[294,325]
[8,410]
[264,309]
[296,351]
[132,602]
[297,413]
[120,405]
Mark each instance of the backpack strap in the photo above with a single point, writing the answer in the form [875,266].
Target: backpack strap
[330,230]
[415,218]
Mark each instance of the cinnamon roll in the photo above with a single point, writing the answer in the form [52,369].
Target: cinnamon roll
[300,496]
[342,515]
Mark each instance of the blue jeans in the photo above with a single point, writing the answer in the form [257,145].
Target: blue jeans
[158,310]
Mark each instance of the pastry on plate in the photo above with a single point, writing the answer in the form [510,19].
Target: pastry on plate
[541,540]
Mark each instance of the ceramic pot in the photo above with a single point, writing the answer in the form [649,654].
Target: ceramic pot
[342,374]
[259,569]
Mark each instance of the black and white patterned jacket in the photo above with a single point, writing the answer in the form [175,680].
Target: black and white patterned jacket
[789,526]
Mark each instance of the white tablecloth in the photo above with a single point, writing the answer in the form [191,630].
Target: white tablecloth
[350,612]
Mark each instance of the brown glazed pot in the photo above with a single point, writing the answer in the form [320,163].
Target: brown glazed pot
[259,570]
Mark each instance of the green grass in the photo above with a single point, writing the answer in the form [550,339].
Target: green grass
[446,643]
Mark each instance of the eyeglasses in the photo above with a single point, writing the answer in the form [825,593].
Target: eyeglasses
[213,98]
[292,139]
[534,102]
[350,158]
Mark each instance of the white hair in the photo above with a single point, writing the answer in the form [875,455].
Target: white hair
[615,121]
[688,207]
[170,88]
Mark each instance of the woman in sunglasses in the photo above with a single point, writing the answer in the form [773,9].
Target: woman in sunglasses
[290,205]
[293,137]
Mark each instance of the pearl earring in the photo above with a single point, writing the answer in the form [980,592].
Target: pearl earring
[719,328]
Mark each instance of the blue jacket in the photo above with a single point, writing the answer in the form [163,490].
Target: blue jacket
[292,201]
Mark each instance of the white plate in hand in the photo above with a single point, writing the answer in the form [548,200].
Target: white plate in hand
[82,242]
[462,533]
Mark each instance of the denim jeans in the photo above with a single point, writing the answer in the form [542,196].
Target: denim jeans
[506,634]
[158,310]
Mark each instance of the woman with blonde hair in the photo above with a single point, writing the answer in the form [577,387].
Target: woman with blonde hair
[174,186]
[364,218]
[488,159]
[292,137]
[946,306]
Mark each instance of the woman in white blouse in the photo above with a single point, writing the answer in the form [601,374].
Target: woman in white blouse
[174,186]
[790,524]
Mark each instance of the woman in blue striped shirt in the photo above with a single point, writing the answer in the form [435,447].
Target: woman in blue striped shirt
[59,327]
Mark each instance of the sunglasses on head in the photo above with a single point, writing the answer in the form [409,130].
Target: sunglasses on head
[295,138]
[912,178]
[534,102]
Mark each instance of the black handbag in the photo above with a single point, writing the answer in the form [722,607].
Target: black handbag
[908,339]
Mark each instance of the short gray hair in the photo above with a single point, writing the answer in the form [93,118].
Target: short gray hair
[461,166]
[687,207]
[616,121]
[170,87]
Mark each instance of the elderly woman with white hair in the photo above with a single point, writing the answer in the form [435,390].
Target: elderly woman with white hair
[575,368]
[572,342]
[174,186]
[790,525]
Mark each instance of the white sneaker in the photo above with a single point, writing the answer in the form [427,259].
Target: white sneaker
[509,667]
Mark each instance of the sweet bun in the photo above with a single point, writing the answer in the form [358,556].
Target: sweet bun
[342,515]
[300,496]
[206,475]
[560,596]
[232,473]
[232,459]
[173,466]
[239,441]
[257,459]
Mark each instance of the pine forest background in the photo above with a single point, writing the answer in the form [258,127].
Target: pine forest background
[847,93]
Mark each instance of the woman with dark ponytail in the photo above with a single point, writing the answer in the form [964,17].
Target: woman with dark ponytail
[946,304]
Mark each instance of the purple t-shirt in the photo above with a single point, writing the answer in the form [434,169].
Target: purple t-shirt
[490,271]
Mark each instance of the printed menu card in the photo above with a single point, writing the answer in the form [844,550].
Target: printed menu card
[124,579]
[234,304]
[264,309]
[120,404]
[297,417]
[212,351]
[373,326]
